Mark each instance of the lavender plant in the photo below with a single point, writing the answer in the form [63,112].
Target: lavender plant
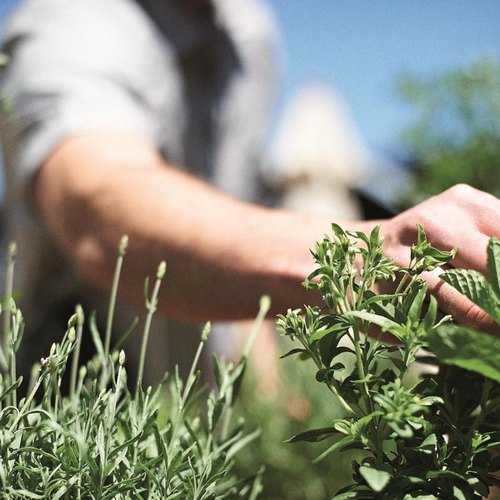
[433,437]
[103,440]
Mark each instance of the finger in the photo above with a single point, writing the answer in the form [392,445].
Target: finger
[464,218]
[471,252]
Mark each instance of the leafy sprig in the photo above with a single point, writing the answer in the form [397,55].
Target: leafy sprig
[430,437]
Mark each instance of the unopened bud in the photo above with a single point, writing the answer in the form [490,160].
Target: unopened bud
[79,314]
[265,303]
[122,247]
[206,331]
[12,251]
[162,269]
[73,320]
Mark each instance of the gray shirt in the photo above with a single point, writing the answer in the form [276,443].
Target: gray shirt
[194,78]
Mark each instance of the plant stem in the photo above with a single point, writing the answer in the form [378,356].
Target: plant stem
[26,404]
[75,361]
[122,248]
[9,286]
[187,387]
[14,331]
[151,307]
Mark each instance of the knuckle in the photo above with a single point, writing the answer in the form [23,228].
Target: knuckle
[461,191]
[476,317]
[426,217]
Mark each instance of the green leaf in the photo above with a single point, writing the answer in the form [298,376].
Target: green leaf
[242,442]
[416,305]
[338,327]
[419,497]
[215,411]
[494,264]
[386,324]
[127,444]
[295,351]
[217,370]
[432,474]
[390,448]
[96,337]
[374,298]
[345,496]
[431,314]
[377,479]
[466,348]
[313,435]
[237,378]
[474,286]
[339,445]
[428,445]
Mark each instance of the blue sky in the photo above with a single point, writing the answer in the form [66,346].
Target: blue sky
[361,46]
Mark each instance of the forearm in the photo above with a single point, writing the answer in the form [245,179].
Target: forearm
[222,254]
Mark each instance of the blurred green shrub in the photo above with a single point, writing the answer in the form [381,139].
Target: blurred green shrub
[289,471]
[455,134]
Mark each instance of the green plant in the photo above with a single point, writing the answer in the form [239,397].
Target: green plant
[103,440]
[427,438]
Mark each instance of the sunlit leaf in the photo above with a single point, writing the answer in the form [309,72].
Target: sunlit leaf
[377,479]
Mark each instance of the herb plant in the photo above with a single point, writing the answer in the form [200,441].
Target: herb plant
[111,439]
[427,437]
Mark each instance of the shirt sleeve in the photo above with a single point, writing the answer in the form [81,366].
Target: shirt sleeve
[89,64]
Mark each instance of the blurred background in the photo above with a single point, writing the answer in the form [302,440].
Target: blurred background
[419,82]
[388,102]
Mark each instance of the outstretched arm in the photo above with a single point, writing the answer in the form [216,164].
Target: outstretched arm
[222,254]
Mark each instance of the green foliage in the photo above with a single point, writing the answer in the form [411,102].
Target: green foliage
[427,438]
[103,441]
[455,135]
[458,345]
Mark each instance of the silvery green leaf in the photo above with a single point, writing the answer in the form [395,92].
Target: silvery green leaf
[242,443]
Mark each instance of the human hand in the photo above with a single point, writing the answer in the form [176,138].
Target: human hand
[461,217]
